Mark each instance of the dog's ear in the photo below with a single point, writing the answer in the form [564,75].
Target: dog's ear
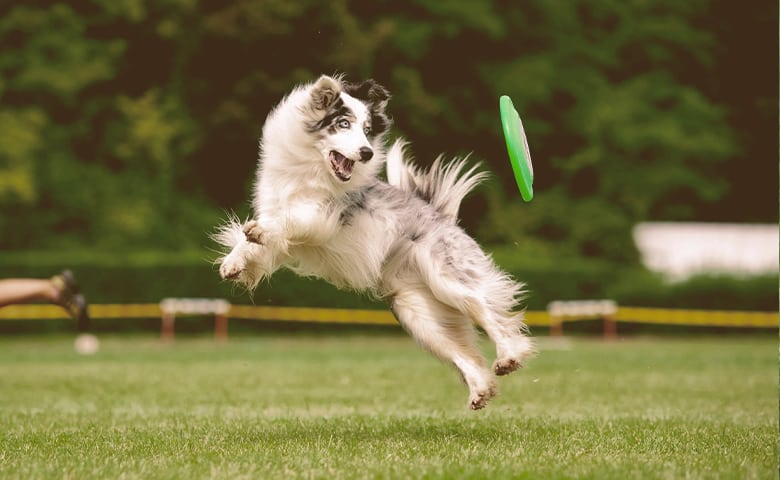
[370,92]
[376,97]
[324,92]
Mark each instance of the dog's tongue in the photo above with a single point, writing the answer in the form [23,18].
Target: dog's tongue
[342,166]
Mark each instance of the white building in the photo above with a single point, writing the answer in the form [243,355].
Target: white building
[680,250]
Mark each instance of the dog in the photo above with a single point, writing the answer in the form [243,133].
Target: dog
[322,210]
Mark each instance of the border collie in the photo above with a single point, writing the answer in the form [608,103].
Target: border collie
[321,210]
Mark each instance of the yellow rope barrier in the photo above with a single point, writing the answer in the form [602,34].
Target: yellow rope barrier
[320,315]
[47,312]
[384,317]
[708,318]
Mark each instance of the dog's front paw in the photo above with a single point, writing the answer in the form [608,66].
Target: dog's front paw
[232,267]
[253,232]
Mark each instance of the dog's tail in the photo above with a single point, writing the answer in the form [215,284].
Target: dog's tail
[443,186]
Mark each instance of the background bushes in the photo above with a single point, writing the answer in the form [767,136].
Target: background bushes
[147,277]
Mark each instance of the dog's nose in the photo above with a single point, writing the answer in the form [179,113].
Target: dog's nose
[366,154]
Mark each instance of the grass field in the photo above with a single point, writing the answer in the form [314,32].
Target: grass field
[347,406]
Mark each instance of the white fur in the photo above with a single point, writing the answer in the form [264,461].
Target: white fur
[397,240]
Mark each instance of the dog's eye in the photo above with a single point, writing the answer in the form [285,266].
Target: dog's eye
[366,130]
[343,123]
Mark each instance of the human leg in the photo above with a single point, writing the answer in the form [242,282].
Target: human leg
[25,290]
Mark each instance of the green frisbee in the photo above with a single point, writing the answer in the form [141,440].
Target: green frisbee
[517,147]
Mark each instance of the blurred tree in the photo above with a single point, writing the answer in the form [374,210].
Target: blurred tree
[617,135]
[132,122]
[20,135]
[743,78]
[92,146]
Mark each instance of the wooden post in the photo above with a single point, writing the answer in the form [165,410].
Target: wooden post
[556,326]
[610,328]
[220,327]
[166,333]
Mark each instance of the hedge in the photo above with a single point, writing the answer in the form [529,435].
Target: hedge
[147,277]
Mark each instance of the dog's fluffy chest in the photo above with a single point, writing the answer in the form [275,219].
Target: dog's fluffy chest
[354,253]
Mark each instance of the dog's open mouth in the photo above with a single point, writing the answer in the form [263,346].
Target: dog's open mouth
[342,166]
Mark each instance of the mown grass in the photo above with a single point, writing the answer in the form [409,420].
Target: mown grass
[330,406]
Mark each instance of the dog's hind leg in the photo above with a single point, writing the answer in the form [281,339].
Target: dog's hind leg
[513,347]
[462,277]
[488,304]
[448,335]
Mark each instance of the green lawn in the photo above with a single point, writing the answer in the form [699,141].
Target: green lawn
[346,406]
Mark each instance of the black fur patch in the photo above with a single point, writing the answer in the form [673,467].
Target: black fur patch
[358,201]
[375,96]
[336,110]
[414,236]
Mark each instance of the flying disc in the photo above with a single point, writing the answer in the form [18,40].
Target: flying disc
[517,147]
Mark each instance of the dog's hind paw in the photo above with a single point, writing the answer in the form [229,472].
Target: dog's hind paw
[505,366]
[511,355]
[253,232]
[478,400]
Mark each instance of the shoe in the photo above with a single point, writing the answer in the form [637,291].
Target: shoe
[71,299]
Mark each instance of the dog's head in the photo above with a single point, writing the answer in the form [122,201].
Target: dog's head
[348,124]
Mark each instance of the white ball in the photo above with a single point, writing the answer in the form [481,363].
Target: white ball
[86,344]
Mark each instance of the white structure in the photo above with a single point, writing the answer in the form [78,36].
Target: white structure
[582,308]
[195,306]
[680,250]
[171,307]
